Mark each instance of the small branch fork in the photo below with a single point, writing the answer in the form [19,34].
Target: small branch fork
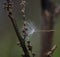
[8,5]
[49,53]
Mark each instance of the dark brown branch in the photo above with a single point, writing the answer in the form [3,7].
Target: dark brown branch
[8,6]
[22,42]
[48,15]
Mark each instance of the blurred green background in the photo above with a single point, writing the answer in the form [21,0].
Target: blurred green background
[8,38]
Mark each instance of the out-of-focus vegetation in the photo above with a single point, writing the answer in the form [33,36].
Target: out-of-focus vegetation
[8,38]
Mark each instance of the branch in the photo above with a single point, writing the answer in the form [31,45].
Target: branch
[21,40]
[49,11]
[8,6]
[49,53]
